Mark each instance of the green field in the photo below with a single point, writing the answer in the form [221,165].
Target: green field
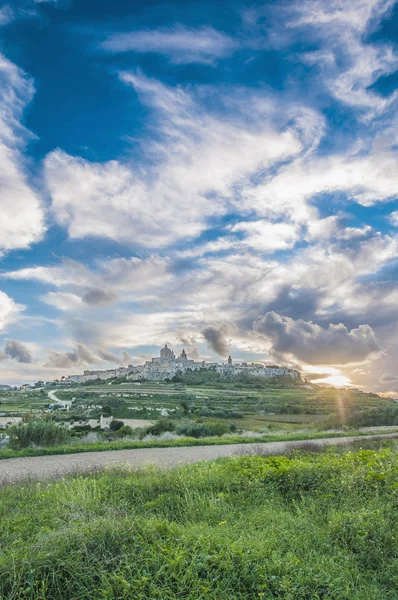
[259,406]
[218,410]
[307,527]
[22,402]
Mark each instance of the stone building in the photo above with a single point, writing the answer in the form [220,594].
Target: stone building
[166,366]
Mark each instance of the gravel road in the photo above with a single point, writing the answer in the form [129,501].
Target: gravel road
[44,467]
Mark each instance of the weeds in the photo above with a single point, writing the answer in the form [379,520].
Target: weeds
[306,527]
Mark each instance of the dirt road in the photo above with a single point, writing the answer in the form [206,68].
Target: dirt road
[43,467]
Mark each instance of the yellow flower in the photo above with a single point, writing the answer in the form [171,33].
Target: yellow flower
[221,523]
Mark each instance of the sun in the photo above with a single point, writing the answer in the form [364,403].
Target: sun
[335,381]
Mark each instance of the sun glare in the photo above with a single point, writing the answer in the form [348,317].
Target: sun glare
[335,380]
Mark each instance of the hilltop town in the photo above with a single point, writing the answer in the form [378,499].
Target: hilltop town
[167,365]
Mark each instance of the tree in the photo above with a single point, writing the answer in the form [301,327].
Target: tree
[125,431]
[116,425]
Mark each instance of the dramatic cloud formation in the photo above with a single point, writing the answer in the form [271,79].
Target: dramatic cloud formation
[313,344]
[224,181]
[212,156]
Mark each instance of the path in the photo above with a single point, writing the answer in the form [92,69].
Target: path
[53,397]
[42,467]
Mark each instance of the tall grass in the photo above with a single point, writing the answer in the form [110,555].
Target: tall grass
[37,432]
[307,527]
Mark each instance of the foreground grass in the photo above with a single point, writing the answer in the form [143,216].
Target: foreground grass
[76,448]
[301,528]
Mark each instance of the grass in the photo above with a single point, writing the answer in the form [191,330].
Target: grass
[308,527]
[180,442]
[282,404]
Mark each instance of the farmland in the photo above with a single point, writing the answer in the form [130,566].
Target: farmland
[268,407]
[253,409]
[182,413]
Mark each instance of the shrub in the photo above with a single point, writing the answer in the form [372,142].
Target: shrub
[37,432]
[196,430]
[125,431]
[82,428]
[116,425]
[161,427]
[217,429]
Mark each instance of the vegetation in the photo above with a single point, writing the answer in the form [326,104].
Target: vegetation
[260,401]
[196,408]
[128,444]
[200,430]
[206,377]
[311,526]
[37,432]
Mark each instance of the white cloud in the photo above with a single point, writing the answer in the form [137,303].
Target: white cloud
[349,63]
[229,285]
[63,300]
[365,179]
[198,164]
[10,311]
[357,14]
[393,218]
[268,237]
[180,44]
[110,280]
[22,221]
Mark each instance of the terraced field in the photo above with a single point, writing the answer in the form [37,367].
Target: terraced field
[251,407]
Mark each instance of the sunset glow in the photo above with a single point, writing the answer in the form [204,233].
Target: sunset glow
[335,381]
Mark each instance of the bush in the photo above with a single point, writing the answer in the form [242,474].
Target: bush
[200,430]
[116,425]
[217,429]
[161,427]
[196,431]
[81,428]
[37,432]
[125,431]
[220,414]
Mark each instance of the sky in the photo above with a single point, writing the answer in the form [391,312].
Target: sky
[216,175]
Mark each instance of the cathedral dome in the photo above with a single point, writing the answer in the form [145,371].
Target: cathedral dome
[167,353]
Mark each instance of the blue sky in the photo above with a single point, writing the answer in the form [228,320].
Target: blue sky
[170,167]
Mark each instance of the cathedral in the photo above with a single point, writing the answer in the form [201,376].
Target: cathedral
[167,354]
